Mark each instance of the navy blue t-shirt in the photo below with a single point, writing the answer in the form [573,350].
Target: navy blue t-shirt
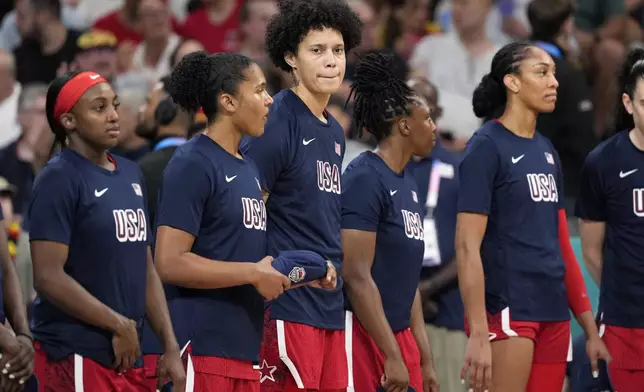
[612,191]
[379,200]
[300,159]
[102,216]
[217,198]
[517,183]
[437,179]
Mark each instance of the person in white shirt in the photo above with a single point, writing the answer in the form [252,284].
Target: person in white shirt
[456,61]
[9,93]
[152,56]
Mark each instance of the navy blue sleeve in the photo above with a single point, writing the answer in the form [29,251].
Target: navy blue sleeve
[270,151]
[560,182]
[590,202]
[363,201]
[477,174]
[185,191]
[53,205]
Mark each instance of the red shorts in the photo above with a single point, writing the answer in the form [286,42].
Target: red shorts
[216,374]
[626,346]
[78,374]
[367,363]
[150,370]
[552,342]
[300,356]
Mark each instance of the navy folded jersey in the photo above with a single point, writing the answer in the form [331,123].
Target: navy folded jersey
[437,179]
[300,160]
[612,191]
[379,200]
[102,216]
[217,198]
[517,183]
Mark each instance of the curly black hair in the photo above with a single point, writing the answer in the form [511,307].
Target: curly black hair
[297,17]
[198,80]
[380,95]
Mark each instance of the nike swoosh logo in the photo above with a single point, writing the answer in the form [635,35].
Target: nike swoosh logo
[94,77]
[517,159]
[307,142]
[98,193]
[626,174]
[229,179]
[391,193]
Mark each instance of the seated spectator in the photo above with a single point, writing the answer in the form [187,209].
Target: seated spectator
[97,52]
[456,61]
[130,145]
[9,93]
[215,25]
[22,159]
[570,126]
[152,55]
[48,46]
[602,34]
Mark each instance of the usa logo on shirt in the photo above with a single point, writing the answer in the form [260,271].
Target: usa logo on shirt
[549,158]
[638,202]
[137,190]
[338,149]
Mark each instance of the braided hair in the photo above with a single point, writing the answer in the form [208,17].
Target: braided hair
[380,95]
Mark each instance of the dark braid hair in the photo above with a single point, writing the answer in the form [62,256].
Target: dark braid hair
[490,95]
[60,134]
[296,18]
[632,71]
[199,79]
[380,96]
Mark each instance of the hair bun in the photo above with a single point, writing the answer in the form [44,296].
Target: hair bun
[487,97]
[188,82]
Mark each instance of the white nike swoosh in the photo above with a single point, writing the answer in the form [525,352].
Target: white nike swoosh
[517,159]
[229,179]
[98,193]
[306,142]
[391,193]
[94,77]
[626,174]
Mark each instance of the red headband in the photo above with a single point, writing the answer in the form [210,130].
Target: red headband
[73,90]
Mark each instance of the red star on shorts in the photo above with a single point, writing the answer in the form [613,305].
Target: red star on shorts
[266,372]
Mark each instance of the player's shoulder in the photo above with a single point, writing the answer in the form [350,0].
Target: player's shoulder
[58,171]
[486,137]
[282,112]
[609,151]
[366,170]
[125,165]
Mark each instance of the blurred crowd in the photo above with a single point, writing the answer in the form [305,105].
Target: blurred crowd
[444,49]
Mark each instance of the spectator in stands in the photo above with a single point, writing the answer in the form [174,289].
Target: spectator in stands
[97,52]
[456,62]
[22,159]
[123,22]
[9,93]
[601,31]
[152,55]
[130,145]
[570,127]
[48,46]
[185,47]
[253,19]
[215,25]
[405,26]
